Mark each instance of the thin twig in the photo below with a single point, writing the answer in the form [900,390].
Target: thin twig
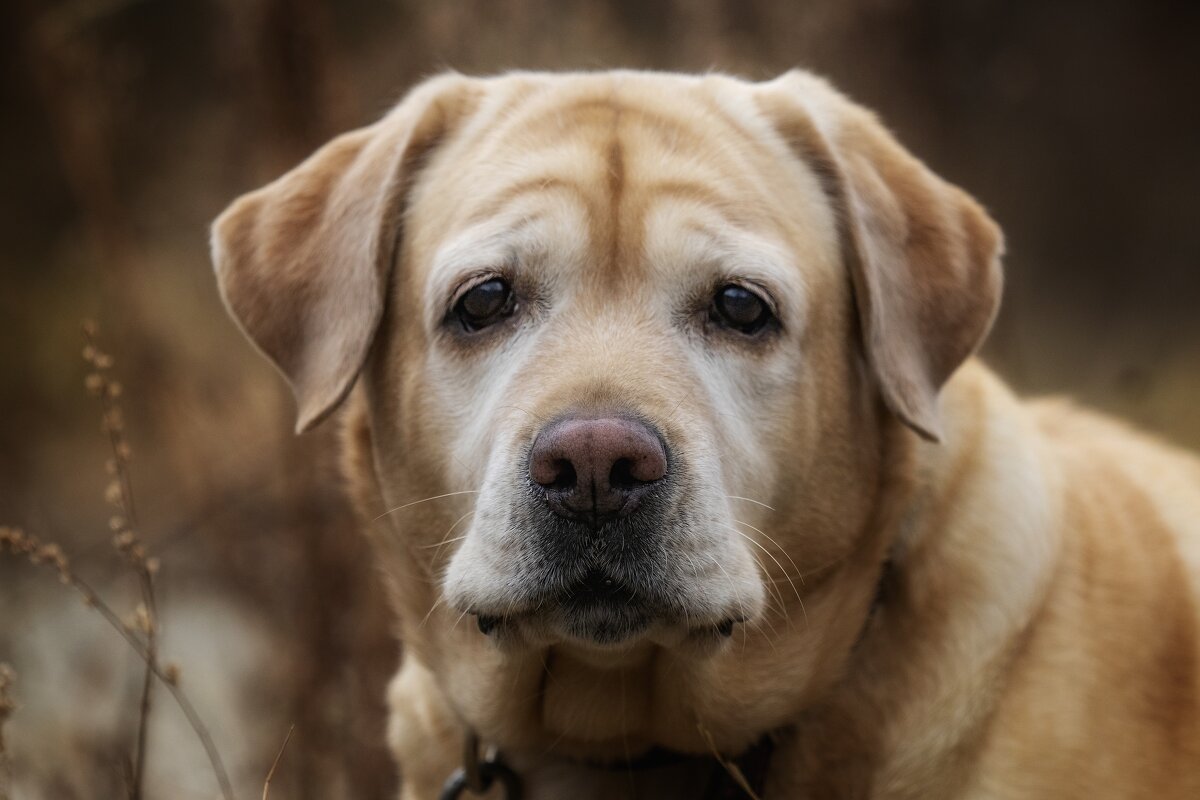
[275,764]
[124,525]
[21,544]
[127,541]
[7,707]
[728,765]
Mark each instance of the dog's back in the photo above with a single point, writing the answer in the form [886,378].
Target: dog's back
[1104,697]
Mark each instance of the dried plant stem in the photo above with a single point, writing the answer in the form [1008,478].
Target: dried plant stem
[275,764]
[139,760]
[728,765]
[120,494]
[7,706]
[52,554]
[108,391]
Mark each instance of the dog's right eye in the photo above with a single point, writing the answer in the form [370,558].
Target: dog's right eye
[737,308]
[485,304]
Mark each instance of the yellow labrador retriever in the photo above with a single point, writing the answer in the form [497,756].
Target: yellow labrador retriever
[685,484]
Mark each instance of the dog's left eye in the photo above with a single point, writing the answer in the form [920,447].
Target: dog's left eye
[485,304]
[739,308]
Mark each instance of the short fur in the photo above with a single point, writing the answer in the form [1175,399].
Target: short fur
[950,593]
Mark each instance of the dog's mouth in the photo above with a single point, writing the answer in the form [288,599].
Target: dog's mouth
[602,609]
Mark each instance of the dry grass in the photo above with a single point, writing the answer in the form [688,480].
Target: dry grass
[7,706]
[140,627]
[266,794]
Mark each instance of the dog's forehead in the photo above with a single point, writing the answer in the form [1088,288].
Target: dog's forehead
[621,171]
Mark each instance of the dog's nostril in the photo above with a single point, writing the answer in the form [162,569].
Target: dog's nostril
[621,475]
[564,476]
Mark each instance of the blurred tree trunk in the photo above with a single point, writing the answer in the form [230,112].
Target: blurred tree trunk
[283,61]
[66,68]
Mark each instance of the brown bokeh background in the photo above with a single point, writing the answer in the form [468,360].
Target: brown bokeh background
[128,124]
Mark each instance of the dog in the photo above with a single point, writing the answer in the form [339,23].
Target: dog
[663,410]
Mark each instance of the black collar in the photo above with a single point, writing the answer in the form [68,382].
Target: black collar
[731,778]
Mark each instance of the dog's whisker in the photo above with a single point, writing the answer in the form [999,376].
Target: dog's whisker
[454,627]
[786,576]
[538,417]
[432,609]
[770,583]
[778,546]
[775,610]
[826,565]
[759,545]
[447,540]
[750,500]
[423,500]
[737,595]
[695,571]
[671,416]
[757,627]
[472,472]
[442,543]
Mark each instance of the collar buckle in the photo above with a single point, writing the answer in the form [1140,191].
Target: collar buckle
[478,775]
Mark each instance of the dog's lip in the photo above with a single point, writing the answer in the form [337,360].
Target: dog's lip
[600,608]
[601,624]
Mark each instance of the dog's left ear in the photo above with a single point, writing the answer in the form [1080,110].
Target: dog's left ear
[303,263]
[924,257]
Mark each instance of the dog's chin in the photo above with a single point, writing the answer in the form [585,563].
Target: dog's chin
[608,629]
[605,612]
[594,625]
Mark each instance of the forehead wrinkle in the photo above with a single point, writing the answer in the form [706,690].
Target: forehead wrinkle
[636,156]
[615,187]
[597,125]
[491,244]
[656,137]
[684,238]
[595,119]
[554,120]
[751,256]
[519,240]
[538,185]
[711,202]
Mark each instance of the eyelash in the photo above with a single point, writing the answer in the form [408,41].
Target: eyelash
[473,280]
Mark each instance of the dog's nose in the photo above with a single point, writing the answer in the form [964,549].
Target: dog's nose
[595,470]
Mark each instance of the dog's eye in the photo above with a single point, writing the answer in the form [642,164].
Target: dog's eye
[485,304]
[739,308]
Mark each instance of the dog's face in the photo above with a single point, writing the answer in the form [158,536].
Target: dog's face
[631,347]
[614,331]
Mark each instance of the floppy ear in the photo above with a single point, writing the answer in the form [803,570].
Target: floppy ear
[303,263]
[924,257]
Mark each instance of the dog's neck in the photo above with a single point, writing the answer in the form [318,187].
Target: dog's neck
[899,718]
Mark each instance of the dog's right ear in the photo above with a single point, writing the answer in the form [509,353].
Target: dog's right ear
[303,263]
[924,258]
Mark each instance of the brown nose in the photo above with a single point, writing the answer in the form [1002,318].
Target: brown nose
[595,470]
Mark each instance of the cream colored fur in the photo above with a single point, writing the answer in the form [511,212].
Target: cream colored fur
[1037,567]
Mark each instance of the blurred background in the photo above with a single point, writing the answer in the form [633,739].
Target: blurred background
[129,124]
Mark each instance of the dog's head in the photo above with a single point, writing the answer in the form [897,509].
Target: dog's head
[631,350]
